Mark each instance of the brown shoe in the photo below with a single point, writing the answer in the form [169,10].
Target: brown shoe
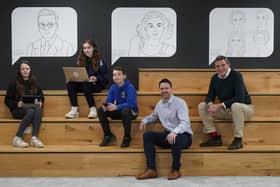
[148,174]
[174,174]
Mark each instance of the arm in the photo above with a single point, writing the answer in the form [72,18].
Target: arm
[210,98]
[239,91]
[149,119]
[183,116]
[131,100]
[211,95]
[42,97]
[10,99]
[102,76]
[110,96]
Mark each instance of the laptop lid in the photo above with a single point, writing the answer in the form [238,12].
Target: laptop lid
[75,74]
[30,99]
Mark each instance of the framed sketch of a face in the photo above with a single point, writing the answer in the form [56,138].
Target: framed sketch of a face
[241,32]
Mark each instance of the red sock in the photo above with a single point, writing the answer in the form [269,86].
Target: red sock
[213,134]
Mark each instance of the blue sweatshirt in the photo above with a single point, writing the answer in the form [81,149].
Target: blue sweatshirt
[123,97]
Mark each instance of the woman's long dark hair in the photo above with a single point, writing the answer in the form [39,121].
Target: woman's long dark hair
[95,60]
[20,81]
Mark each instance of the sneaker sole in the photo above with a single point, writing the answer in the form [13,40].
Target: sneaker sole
[71,117]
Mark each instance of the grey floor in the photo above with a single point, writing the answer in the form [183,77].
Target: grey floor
[131,181]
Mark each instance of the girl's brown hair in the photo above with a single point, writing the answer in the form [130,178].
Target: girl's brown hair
[20,81]
[95,60]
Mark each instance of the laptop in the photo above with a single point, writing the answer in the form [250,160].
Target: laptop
[30,100]
[76,74]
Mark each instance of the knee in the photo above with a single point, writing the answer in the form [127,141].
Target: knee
[201,107]
[147,136]
[126,112]
[38,109]
[100,110]
[86,88]
[236,107]
[70,85]
[30,112]
[175,146]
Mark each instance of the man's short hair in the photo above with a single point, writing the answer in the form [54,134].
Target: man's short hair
[221,57]
[165,81]
[47,12]
[120,69]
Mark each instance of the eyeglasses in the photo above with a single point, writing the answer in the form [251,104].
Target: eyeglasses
[46,26]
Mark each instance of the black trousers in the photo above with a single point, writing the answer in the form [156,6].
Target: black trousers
[183,141]
[28,115]
[125,115]
[82,87]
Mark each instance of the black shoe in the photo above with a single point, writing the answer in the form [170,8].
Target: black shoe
[125,142]
[236,144]
[107,140]
[212,141]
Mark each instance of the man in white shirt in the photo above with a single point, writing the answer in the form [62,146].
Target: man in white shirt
[173,114]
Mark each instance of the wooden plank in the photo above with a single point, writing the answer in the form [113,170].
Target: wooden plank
[92,134]
[56,106]
[197,81]
[130,164]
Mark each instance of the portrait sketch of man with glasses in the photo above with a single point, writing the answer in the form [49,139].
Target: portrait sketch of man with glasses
[49,43]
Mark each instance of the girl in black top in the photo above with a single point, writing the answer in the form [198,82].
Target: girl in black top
[25,84]
[97,70]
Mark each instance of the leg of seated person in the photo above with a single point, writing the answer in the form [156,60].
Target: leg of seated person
[183,141]
[103,117]
[150,140]
[36,122]
[240,113]
[127,117]
[207,121]
[73,88]
[27,116]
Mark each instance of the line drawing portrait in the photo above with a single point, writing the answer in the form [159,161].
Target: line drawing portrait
[241,32]
[238,20]
[49,43]
[262,18]
[236,45]
[152,36]
[261,39]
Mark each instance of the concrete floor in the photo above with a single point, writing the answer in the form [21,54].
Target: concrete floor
[131,181]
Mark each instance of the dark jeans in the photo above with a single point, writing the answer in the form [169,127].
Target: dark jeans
[28,115]
[82,87]
[125,115]
[183,141]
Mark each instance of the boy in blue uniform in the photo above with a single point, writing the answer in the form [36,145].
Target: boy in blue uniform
[121,103]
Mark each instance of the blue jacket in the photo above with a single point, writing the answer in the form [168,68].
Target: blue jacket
[123,97]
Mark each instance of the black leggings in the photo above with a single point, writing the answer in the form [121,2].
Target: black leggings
[87,88]
[28,115]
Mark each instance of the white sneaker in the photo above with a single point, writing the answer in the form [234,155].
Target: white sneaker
[36,142]
[74,113]
[92,112]
[18,142]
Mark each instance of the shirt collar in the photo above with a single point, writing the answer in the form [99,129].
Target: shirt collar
[228,72]
[169,100]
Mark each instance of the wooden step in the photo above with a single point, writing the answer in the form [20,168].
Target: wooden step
[266,106]
[92,134]
[261,81]
[91,160]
